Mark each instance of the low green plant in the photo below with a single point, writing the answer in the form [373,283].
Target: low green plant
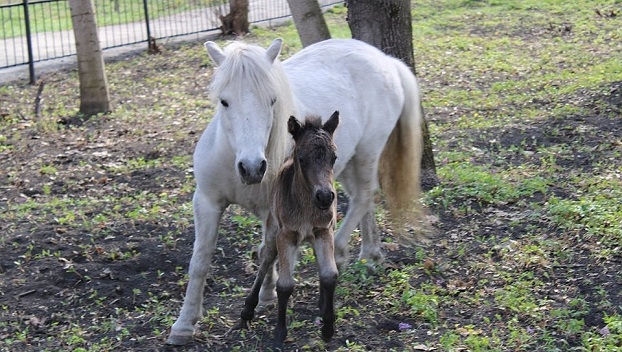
[607,338]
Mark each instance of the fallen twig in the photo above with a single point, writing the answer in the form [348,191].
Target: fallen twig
[23,294]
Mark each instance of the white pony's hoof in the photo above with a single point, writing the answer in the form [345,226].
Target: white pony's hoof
[266,299]
[341,258]
[264,306]
[267,296]
[179,338]
[375,258]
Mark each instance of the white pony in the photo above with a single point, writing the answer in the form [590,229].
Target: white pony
[237,157]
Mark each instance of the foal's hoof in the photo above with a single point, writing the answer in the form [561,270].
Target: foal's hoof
[242,325]
[327,332]
[278,346]
[179,339]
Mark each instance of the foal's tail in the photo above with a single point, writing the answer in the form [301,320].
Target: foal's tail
[400,162]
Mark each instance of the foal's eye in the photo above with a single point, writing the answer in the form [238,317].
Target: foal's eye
[272,102]
[224,103]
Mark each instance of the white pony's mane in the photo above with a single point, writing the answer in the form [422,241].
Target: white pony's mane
[247,66]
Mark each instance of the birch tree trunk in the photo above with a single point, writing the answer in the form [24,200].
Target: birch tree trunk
[387,25]
[309,21]
[94,96]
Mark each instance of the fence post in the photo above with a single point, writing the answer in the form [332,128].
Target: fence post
[31,59]
[147,21]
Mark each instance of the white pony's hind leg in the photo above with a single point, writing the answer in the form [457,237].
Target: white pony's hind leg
[267,294]
[360,182]
[357,207]
[206,218]
[371,249]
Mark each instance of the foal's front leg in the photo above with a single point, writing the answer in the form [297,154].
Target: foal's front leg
[287,244]
[266,263]
[324,255]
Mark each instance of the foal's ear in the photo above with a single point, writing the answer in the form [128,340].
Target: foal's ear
[332,123]
[275,49]
[293,126]
[214,52]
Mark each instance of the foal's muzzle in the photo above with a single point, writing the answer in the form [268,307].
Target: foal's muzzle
[252,172]
[324,198]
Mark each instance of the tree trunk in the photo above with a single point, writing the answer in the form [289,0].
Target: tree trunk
[309,21]
[236,22]
[387,25]
[94,96]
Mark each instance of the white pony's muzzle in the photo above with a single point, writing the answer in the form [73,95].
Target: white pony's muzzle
[252,172]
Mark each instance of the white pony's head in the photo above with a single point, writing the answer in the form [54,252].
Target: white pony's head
[248,87]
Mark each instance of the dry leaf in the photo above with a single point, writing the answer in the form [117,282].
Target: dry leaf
[391,246]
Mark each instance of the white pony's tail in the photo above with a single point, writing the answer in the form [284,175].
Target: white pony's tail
[400,163]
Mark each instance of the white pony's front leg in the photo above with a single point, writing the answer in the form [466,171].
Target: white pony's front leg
[207,216]
[267,295]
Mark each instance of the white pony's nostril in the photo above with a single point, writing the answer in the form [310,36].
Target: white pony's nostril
[242,169]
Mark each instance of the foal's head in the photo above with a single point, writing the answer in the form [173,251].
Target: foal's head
[314,156]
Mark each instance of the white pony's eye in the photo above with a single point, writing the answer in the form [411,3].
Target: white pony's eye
[224,103]
[272,102]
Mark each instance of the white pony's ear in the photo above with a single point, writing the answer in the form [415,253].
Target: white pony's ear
[214,52]
[275,49]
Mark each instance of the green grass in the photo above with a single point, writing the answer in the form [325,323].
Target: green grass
[483,186]
[596,213]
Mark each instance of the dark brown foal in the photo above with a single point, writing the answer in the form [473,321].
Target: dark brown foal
[304,206]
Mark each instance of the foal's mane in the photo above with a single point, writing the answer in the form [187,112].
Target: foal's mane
[312,121]
[313,124]
[247,66]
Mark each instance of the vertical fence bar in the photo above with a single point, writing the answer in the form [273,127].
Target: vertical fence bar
[31,60]
[147,21]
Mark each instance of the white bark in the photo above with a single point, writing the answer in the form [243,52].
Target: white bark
[94,96]
[309,21]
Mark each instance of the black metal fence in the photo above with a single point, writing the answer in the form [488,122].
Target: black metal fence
[39,30]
